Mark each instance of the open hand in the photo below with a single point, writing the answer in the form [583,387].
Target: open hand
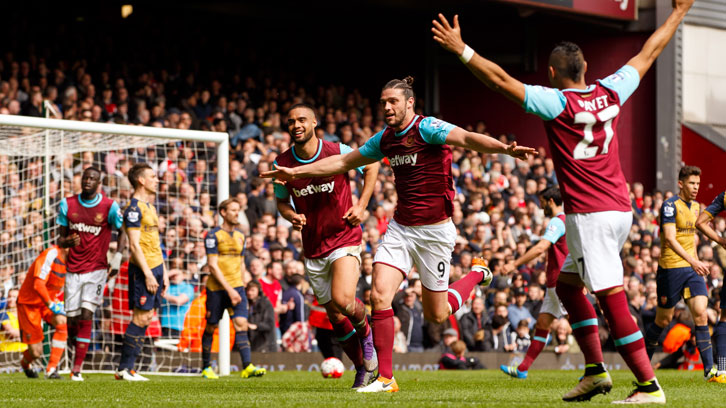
[520,152]
[279,173]
[447,36]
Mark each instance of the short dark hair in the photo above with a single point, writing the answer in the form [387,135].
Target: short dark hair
[135,173]
[92,168]
[688,171]
[295,279]
[255,284]
[552,192]
[405,84]
[567,58]
[301,105]
[224,204]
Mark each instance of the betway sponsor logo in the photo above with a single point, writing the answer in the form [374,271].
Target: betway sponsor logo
[312,189]
[91,229]
[398,160]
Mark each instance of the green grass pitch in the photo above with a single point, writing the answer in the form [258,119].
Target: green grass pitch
[309,389]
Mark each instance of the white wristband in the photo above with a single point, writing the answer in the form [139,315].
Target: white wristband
[465,56]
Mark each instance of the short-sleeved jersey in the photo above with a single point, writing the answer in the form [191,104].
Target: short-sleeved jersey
[684,215]
[717,205]
[421,162]
[92,221]
[324,201]
[580,125]
[142,216]
[556,254]
[228,247]
[48,267]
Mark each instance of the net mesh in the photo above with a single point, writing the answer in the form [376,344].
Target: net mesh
[38,167]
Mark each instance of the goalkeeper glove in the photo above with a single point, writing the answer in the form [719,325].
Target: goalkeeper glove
[57,308]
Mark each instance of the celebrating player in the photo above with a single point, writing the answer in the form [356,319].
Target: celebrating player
[680,273]
[331,236]
[38,301]
[718,205]
[555,243]
[225,289]
[580,122]
[148,278]
[85,223]
[421,232]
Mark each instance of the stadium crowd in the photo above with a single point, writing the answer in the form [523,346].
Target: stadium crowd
[496,212]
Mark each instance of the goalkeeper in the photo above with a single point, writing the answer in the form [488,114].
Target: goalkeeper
[38,301]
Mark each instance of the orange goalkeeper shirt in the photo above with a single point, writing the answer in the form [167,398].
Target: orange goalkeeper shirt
[45,278]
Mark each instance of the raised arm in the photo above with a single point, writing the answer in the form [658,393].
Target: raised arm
[488,72]
[532,253]
[660,38]
[325,167]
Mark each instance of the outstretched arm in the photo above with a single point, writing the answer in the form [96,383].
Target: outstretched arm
[486,144]
[325,167]
[703,225]
[488,72]
[660,38]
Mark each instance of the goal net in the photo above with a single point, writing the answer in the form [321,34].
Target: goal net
[41,161]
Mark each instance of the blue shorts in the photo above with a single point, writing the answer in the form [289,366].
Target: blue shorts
[218,300]
[139,297]
[676,283]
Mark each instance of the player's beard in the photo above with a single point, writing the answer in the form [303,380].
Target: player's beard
[548,211]
[398,119]
[306,136]
[233,221]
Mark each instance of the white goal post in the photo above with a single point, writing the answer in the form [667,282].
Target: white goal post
[42,138]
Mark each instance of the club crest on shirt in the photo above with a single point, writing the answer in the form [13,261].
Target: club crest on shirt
[142,300]
[74,216]
[98,219]
[409,141]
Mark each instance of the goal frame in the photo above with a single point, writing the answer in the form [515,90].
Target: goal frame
[220,138]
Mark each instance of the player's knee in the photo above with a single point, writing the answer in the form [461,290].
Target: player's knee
[60,320]
[210,328]
[36,350]
[542,325]
[142,318]
[345,304]
[663,321]
[379,300]
[240,324]
[437,317]
[86,314]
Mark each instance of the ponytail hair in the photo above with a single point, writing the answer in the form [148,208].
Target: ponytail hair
[405,84]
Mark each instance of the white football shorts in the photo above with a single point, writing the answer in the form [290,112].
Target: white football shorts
[319,271]
[84,291]
[429,247]
[551,304]
[595,241]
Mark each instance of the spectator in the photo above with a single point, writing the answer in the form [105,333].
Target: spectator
[177,300]
[518,311]
[410,312]
[498,335]
[521,337]
[472,326]
[9,327]
[261,321]
[399,339]
[295,301]
[453,358]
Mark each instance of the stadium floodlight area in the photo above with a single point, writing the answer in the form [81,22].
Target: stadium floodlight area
[41,161]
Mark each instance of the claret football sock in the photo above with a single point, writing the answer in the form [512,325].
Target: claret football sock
[359,320]
[460,290]
[383,341]
[207,339]
[538,342]
[583,321]
[83,340]
[345,334]
[628,337]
